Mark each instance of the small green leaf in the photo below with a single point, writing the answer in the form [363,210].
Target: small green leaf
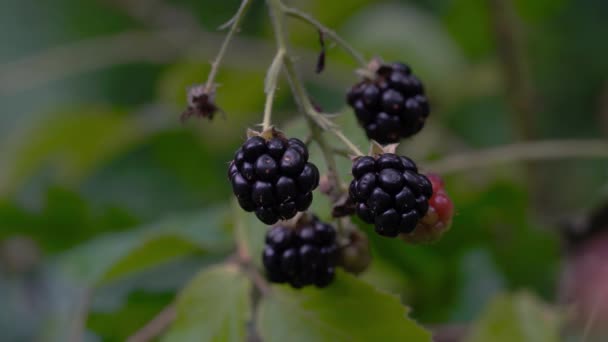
[114,256]
[215,306]
[520,317]
[348,310]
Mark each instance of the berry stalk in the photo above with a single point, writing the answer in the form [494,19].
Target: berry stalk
[235,23]
[296,13]
[297,88]
[270,86]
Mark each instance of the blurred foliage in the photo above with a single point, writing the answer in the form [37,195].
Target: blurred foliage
[124,205]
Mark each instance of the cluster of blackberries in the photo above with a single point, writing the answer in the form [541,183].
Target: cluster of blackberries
[273,177]
[300,256]
[389,193]
[390,106]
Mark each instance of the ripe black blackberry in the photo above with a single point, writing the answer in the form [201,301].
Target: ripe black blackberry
[389,192]
[273,177]
[301,256]
[391,106]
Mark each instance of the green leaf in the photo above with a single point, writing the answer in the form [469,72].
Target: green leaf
[114,256]
[519,317]
[60,143]
[345,311]
[215,306]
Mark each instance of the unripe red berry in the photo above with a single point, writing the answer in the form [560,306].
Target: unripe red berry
[438,218]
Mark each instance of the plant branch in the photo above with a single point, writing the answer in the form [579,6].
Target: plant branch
[521,94]
[235,22]
[156,326]
[296,13]
[347,142]
[297,87]
[270,86]
[521,152]
[81,314]
[316,121]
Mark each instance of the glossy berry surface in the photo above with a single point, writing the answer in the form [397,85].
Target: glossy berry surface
[389,192]
[301,256]
[273,178]
[392,106]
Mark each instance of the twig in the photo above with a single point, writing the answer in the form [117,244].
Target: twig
[296,13]
[600,300]
[520,92]
[347,142]
[157,13]
[81,314]
[298,90]
[341,152]
[236,21]
[156,326]
[159,46]
[602,113]
[271,86]
[525,151]
[260,283]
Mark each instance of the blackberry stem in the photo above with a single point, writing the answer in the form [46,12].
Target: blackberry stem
[314,118]
[270,86]
[532,151]
[234,25]
[299,92]
[296,13]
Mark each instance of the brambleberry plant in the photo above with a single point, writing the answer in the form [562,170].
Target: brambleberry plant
[274,178]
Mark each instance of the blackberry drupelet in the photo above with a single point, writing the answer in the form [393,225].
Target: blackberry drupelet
[391,106]
[301,256]
[273,178]
[389,192]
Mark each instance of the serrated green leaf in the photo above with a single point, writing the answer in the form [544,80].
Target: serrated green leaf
[345,311]
[215,306]
[520,317]
[113,256]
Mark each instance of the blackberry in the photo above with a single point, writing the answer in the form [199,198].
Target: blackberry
[389,192]
[391,106]
[273,178]
[301,256]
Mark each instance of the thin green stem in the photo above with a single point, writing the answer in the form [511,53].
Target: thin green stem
[532,151]
[347,142]
[298,90]
[235,22]
[268,109]
[271,86]
[327,151]
[296,13]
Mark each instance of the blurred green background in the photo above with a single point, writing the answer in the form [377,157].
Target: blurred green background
[93,157]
